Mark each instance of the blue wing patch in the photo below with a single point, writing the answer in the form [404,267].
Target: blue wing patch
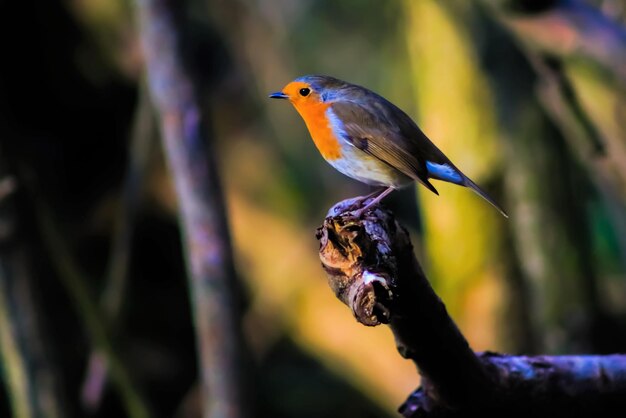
[444,172]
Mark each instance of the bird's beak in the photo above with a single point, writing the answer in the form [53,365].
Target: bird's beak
[278,95]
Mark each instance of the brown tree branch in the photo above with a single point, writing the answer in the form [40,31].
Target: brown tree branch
[204,225]
[371,268]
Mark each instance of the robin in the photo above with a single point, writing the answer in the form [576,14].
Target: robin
[368,138]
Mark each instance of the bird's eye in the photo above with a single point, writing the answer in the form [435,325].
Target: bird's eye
[304,92]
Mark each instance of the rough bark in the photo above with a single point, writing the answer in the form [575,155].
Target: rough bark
[372,269]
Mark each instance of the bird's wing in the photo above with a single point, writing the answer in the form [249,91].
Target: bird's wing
[384,131]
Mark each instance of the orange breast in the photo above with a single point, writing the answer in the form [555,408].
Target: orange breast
[314,116]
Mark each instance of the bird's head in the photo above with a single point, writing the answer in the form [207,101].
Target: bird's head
[310,90]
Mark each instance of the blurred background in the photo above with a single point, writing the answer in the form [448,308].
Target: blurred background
[528,98]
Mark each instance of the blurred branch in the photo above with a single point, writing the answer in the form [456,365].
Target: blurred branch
[117,271]
[87,310]
[29,375]
[549,226]
[31,382]
[556,40]
[572,49]
[372,269]
[557,98]
[13,362]
[567,28]
[202,213]
[140,144]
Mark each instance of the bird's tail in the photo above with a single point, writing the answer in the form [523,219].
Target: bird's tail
[480,192]
[446,171]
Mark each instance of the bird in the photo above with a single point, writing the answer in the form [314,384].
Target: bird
[368,138]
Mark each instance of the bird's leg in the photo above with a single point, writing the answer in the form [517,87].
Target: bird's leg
[369,195]
[377,199]
[358,201]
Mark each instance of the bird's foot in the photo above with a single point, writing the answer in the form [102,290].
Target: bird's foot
[377,195]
